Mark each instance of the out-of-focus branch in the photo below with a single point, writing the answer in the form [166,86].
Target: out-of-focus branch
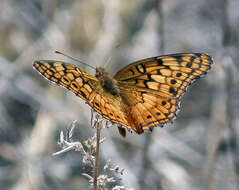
[148,138]
[223,110]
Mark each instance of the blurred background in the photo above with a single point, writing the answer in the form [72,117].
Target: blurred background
[198,151]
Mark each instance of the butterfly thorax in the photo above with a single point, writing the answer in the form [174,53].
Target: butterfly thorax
[106,81]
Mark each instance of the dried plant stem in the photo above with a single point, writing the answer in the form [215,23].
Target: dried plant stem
[97,155]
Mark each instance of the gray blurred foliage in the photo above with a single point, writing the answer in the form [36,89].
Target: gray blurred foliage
[198,151]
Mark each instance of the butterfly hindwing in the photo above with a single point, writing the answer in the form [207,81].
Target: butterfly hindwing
[109,107]
[145,110]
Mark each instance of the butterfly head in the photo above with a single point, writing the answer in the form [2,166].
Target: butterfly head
[100,72]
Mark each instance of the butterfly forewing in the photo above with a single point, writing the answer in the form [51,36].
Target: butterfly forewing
[69,76]
[166,76]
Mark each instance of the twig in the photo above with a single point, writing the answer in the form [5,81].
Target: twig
[90,150]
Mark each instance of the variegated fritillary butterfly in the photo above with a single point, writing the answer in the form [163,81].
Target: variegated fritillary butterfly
[140,96]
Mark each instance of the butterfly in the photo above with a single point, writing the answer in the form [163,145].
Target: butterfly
[142,95]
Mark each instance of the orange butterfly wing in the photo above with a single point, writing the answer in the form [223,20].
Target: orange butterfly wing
[151,88]
[84,85]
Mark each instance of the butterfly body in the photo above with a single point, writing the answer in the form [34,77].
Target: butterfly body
[140,96]
[107,82]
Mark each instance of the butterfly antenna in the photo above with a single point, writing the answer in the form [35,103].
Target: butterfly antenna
[109,59]
[58,52]
[107,62]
